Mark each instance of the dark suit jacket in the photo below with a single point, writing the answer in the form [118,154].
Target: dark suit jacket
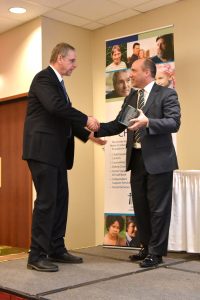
[163,110]
[51,122]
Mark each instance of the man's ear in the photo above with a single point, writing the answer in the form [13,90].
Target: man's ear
[147,73]
[59,59]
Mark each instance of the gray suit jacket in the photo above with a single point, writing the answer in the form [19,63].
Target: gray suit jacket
[163,110]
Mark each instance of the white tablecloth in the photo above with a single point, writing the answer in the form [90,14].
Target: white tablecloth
[184,234]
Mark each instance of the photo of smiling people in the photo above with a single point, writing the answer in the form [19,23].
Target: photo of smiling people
[165,75]
[132,236]
[115,56]
[114,231]
[118,84]
[137,50]
[164,49]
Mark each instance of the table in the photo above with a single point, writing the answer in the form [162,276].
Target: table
[184,234]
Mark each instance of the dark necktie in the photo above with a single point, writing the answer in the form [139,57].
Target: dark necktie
[64,90]
[140,105]
[69,130]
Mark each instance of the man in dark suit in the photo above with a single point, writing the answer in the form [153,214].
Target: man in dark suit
[151,158]
[48,146]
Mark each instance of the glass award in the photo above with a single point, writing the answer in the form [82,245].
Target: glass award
[127,114]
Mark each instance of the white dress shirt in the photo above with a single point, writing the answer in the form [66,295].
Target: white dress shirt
[147,90]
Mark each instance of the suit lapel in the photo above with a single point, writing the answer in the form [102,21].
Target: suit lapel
[151,98]
[53,75]
[55,79]
[132,99]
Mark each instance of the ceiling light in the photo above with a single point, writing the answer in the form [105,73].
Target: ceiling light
[17,10]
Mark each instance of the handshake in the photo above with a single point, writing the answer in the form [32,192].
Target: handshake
[93,124]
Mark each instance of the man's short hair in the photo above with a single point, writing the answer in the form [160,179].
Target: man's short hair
[150,65]
[136,44]
[130,220]
[60,49]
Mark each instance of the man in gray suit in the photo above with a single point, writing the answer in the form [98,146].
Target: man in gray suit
[151,158]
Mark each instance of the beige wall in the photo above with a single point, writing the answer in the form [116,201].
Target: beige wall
[20,58]
[185,17]
[81,225]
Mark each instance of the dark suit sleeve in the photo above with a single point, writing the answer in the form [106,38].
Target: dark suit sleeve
[109,129]
[80,132]
[48,92]
[168,120]
[112,127]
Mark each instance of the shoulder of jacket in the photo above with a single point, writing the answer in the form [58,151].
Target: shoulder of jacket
[165,89]
[47,74]
[132,92]
[42,73]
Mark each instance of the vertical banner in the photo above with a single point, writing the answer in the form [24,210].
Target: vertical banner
[120,228]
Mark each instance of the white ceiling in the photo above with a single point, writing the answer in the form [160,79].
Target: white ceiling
[89,14]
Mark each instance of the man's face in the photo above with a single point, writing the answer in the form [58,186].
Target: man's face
[161,47]
[68,63]
[116,57]
[132,229]
[138,74]
[123,84]
[136,49]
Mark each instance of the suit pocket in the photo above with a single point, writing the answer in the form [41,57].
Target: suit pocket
[44,131]
[162,141]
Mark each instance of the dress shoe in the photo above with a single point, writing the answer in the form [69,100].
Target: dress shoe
[42,265]
[66,258]
[141,254]
[151,261]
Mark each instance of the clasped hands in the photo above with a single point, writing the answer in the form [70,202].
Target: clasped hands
[93,124]
[139,122]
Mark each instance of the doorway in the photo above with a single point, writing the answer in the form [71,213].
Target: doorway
[16,183]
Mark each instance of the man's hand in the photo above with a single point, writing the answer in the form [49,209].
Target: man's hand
[93,124]
[139,122]
[97,140]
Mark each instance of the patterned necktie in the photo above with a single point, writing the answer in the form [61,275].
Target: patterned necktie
[64,90]
[140,99]
[140,105]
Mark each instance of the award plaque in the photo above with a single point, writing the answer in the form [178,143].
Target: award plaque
[127,114]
